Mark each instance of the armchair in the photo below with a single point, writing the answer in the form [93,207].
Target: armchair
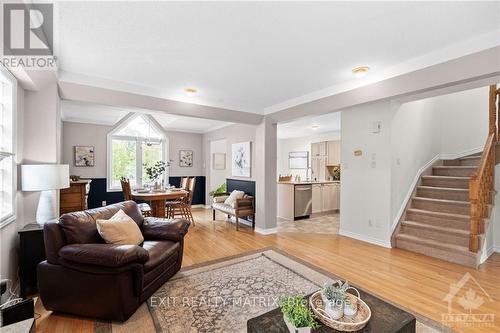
[85,276]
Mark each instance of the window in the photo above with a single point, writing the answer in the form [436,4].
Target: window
[7,147]
[136,142]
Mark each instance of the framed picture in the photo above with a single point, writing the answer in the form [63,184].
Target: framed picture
[298,159]
[84,156]
[241,159]
[219,161]
[185,158]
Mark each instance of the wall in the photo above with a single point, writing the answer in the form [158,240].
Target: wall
[464,118]
[185,141]
[217,177]
[299,144]
[80,134]
[8,234]
[96,135]
[366,179]
[232,134]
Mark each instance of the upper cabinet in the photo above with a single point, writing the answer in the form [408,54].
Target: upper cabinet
[318,149]
[333,152]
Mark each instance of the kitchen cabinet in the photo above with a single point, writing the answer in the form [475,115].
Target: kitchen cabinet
[316,198]
[325,197]
[328,197]
[333,152]
[318,166]
[318,149]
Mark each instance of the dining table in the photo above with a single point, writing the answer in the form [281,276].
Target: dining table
[158,200]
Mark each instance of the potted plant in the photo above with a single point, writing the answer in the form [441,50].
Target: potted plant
[220,189]
[334,296]
[154,172]
[298,317]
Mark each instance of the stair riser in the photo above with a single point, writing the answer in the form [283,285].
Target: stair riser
[436,235]
[464,162]
[461,209]
[470,162]
[453,172]
[450,256]
[451,183]
[439,222]
[443,194]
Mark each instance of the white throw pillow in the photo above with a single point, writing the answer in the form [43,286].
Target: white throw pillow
[231,200]
[120,229]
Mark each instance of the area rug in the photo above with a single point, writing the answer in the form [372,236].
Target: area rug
[220,296]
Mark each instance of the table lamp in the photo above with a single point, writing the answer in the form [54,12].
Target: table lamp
[45,178]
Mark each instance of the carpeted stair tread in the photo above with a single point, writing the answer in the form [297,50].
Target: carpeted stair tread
[444,230]
[436,244]
[438,214]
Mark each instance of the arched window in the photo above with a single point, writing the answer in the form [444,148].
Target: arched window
[134,143]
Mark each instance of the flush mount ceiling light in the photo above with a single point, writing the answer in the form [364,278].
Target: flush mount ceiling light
[360,71]
[190,91]
[315,127]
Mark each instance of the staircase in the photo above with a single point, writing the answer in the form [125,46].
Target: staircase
[437,221]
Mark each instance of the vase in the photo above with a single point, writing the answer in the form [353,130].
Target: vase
[350,307]
[293,329]
[335,309]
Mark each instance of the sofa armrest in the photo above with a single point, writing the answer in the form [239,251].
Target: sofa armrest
[107,255]
[164,229]
[244,203]
[220,198]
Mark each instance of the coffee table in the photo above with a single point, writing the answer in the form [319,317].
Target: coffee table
[386,318]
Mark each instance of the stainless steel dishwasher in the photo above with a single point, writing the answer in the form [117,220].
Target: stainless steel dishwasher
[303,201]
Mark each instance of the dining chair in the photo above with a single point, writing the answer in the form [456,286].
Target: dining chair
[127,195]
[182,207]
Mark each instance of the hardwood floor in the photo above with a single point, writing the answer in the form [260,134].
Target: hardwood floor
[412,281]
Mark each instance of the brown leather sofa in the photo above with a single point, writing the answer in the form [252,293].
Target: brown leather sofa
[87,277]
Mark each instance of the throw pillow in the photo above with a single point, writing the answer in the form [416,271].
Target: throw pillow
[120,229]
[231,200]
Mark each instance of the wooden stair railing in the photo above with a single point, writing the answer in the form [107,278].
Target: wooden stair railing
[481,183]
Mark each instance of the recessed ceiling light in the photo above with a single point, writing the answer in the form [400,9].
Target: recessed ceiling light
[360,71]
[190,91]
[315,127]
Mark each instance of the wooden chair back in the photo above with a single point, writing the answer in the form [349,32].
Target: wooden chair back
[185,183]
[191,186]
[127,190]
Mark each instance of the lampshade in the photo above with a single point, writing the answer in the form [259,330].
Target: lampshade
[42,177]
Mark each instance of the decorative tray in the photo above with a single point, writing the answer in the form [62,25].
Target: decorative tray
[344,324]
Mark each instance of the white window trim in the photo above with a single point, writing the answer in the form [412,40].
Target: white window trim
[122,123]
[13,216]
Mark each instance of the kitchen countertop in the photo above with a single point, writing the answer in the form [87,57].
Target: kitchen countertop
[311,182]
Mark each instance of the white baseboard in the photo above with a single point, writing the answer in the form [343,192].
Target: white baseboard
[201,206]
[446,156]
[410,191]
[365,238]
[496,249]
[264,231]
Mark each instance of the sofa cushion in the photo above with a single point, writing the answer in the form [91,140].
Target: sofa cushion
[81,228]
[159,251]
[224,208]
[109,255]
[120,229]
[235,195]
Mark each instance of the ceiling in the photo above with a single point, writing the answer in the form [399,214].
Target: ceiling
[106,115]
[309,126]
[261,56]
